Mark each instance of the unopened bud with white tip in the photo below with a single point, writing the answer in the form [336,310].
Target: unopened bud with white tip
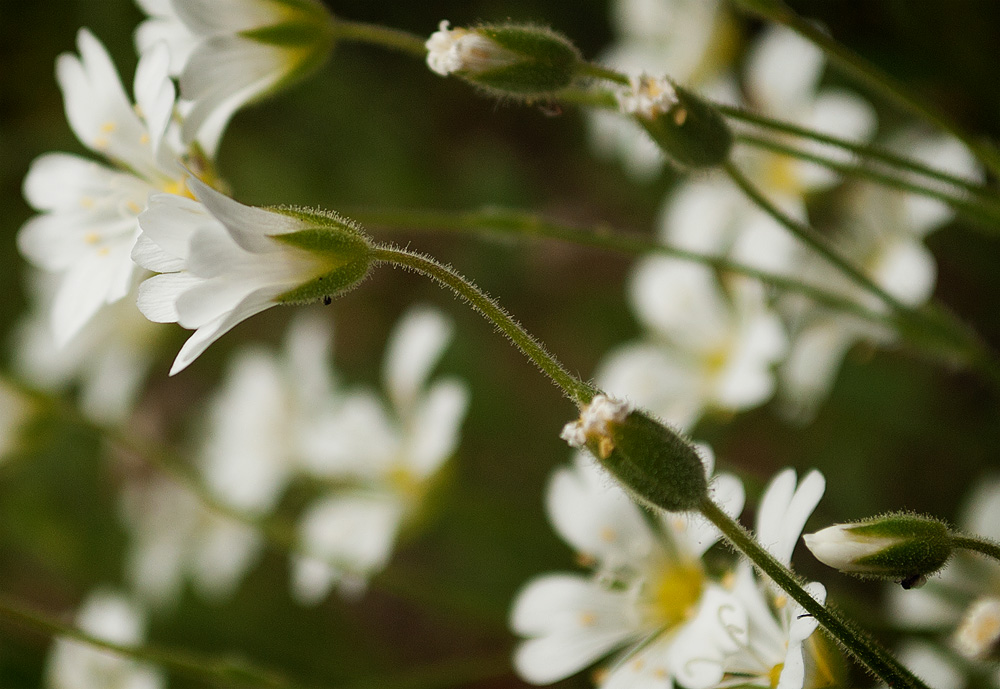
[657,466]
[900,547]
[507,60]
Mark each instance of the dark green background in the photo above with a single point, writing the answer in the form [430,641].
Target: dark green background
[378,130]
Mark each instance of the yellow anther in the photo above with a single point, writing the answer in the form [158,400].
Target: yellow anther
[86,202]
[144,139]
[608,535]
[92,238]
[101,142]
[588,619]
[108,127]
[103,251]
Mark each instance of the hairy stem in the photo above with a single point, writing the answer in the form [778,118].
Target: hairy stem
[859,644]
[571,385]
[983,546]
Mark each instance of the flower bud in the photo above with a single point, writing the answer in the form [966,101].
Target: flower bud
[516,60]
[656,465]
[902,547]
[686,128]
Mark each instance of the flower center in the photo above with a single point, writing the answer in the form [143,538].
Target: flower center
[673,593]
[781,175]
[775,674]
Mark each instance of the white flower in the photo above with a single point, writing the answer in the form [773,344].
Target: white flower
[764,640]
[648,593]
[223,262]
[386,457]
[882,233]
[175,536]
[707,347]
[782,79]
[87,224]
[231,52]
[75,665]
[978,633]
[109,358]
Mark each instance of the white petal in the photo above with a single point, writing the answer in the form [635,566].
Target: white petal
[416,344]
[210,332]
[211,17]
[595,516]
[249,227]
[782,71]
[223,553]
[223,74]
[91,283]
[576,622]
[435,427]
[906,270]
[155,94]
[170,222]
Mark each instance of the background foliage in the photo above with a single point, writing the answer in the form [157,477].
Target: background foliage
[376,130]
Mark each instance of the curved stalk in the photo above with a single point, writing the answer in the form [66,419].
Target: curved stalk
[859,644]
[983,546]
[571,385]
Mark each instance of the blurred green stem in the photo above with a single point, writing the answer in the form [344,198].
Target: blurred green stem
[216,671]
[383,36]
[865,151]
[987,211]
[574,388]
[887,86]
[860,645]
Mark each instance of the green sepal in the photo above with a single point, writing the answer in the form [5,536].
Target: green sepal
[542,61]
[323,288]
[656,465]
[693,133]
[922,546]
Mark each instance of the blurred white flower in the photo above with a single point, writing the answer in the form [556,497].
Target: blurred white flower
[176,537]
[109,357]
[87,222]
[691,41]
[386,457]
[783,81]
[223,262]
[648,592]
[707,347]
[75,665]
[228,53]
[882,232]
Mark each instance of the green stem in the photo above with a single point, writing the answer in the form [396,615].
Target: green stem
[229,672]
[214,670]
[524,224]
[590,69]
[865,151]
[571,385]
[988,213]
[383,36]
[811,238]
[891,89]
[859,644]
[983,546]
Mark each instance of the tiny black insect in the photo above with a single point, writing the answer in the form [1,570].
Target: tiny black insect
[327,300]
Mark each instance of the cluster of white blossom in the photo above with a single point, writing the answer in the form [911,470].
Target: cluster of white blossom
[651,600]
[723,343]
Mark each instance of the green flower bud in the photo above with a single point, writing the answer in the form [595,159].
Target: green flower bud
[686,128]
[901,547]
[507,60]
[657,466]
[343,245]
